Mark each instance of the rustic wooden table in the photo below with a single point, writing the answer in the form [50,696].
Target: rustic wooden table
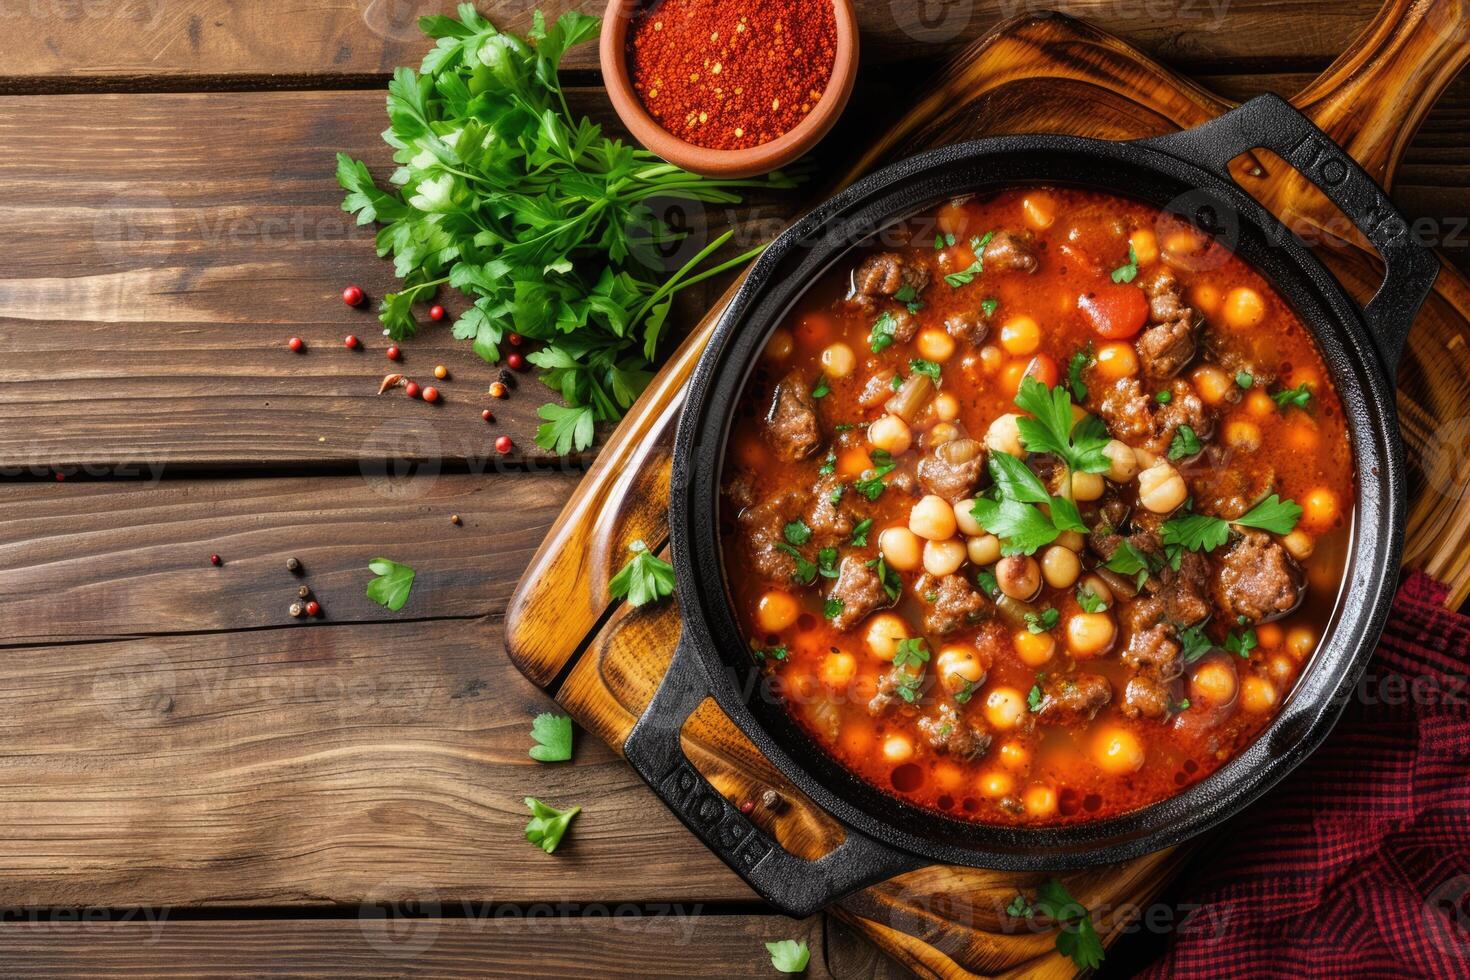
[193,781]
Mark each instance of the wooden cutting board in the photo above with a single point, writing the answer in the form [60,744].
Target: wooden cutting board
[1051,74]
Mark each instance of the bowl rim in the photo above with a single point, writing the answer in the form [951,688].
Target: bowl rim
[617,79]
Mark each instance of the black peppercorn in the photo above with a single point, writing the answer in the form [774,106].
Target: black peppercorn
[293,566]
[304,592]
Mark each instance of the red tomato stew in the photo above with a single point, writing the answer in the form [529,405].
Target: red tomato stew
[1035,513]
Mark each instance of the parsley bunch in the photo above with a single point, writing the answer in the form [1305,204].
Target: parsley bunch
[535,215]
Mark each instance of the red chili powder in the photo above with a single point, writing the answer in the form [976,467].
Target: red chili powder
[732,75]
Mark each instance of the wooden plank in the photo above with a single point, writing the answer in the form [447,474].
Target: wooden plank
[492,941]
[147,323]
[195,43]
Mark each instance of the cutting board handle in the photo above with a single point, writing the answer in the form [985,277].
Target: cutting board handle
[794,885]
[1371,100]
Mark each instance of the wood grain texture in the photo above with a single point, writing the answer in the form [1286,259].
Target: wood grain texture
[490,942]
[160,43]
[1031,76]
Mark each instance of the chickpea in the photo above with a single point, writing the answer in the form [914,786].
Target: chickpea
[941,433]
[1034,649]
[1117,751]
[1060,566]
[1011,375]
[990,358]
[1145,246]
[1244,308]
[1161,489]
[900,548]
[932,518]
[946,407]
[885,630]
[983,549]
[838,360]
[1020,335]
[898,748]
[1257,695]
[1300,544]
[1269,635]
[1319,509]
[934,345]
[891,434]
[1117,360]
[1018,577]
[1039,210]
[1122,461]
[1096,585]
[1004,708]
[1205,298]
[1259,404]
[1072,540]
[1087,486]
[1014,755]
[838,670]
[780,346]
[1214,385]
[1040,800]
[964,518]
[1302,436]
[943,558]
[958,665]
[1090,634]
[1281,668]
[1243,435]
[1004,436]
[996,783]
[953,218]
[776,610]
[1213,682]
[1300,642]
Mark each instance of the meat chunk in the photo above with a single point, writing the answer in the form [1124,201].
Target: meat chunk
[829,521]
[892,686]
[1073,699]
[1184,592]
[951,602]
[1232,490]
[1125,408]
[886,273]
[1007,251]
[1145,697]
[969,327]
[791,422]
[1184,408]
[947,732]
[1165,348]
[860,590]
[1165,298]
[952,469]
[1153,650]
[1258,579]
[762,526]
[905,325]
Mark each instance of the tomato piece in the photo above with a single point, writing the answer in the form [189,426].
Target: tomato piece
[814,330]
[1043,368]
[1114,310]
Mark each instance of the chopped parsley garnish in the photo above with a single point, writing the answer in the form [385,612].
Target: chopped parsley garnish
[797,532]
[895,382]
[827,562]
[909,296]
[1051,430]
[1244,379]
[1014,517]
[836,495]
[1090,601]
[841,427]
[1128,560]
[990,305]
[1193,644]
[880,338]
[913,652]
[553,735]
[1129,272]
[921,366]
[968,274]
[1241,643]
[1033,698]
[1298,397]
[860,532]
[822,388]
[829,465]
[985,578]
[832,608]
[645,578]
[773,653]
[1164,397]
[892,584]
[1199,532]
[1043,621]
[805,572]
[548,824]
[910,686]
[965,691]
[1081,361]
[872,486]
[1077,938]
[1182,705]
[1185,443]
[1020,907]
[940,241]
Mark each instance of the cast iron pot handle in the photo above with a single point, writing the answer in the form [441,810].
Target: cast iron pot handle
[794,885]
[1271,122]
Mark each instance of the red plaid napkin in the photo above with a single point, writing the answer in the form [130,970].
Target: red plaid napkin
[1358,865]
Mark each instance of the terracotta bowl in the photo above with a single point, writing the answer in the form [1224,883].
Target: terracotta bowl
[724,163]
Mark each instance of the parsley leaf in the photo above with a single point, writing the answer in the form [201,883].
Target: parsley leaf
[797,532]
[1128,560]
[1021,528]
[1051,430]
[1242,643]
[1033,697]
[909,296]
[553,735]
[1244,379]
[1193,643]
[1272,514]
[967,274]
[1185,443]
[910,686]
[1081,361]
[1020,907]
[1043,621]
[788,955]
[880,337]
[860,533]
[1298,397]
[829,465]
[822,388]
[565,428]
[1197,532]
[1090,601]
[912,652]
[832,608]
[827,562]
[920,366]
[1077,938]
[1016,481]
[774,653]
[392,585]
[1128,272]
[985,578]
[872,486]
[804,571]
[965,691]
[645,578]
[892,584]
[548,824]
[990,306]
[1164,397]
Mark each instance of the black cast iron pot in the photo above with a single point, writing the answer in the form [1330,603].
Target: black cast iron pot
[1185,173]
